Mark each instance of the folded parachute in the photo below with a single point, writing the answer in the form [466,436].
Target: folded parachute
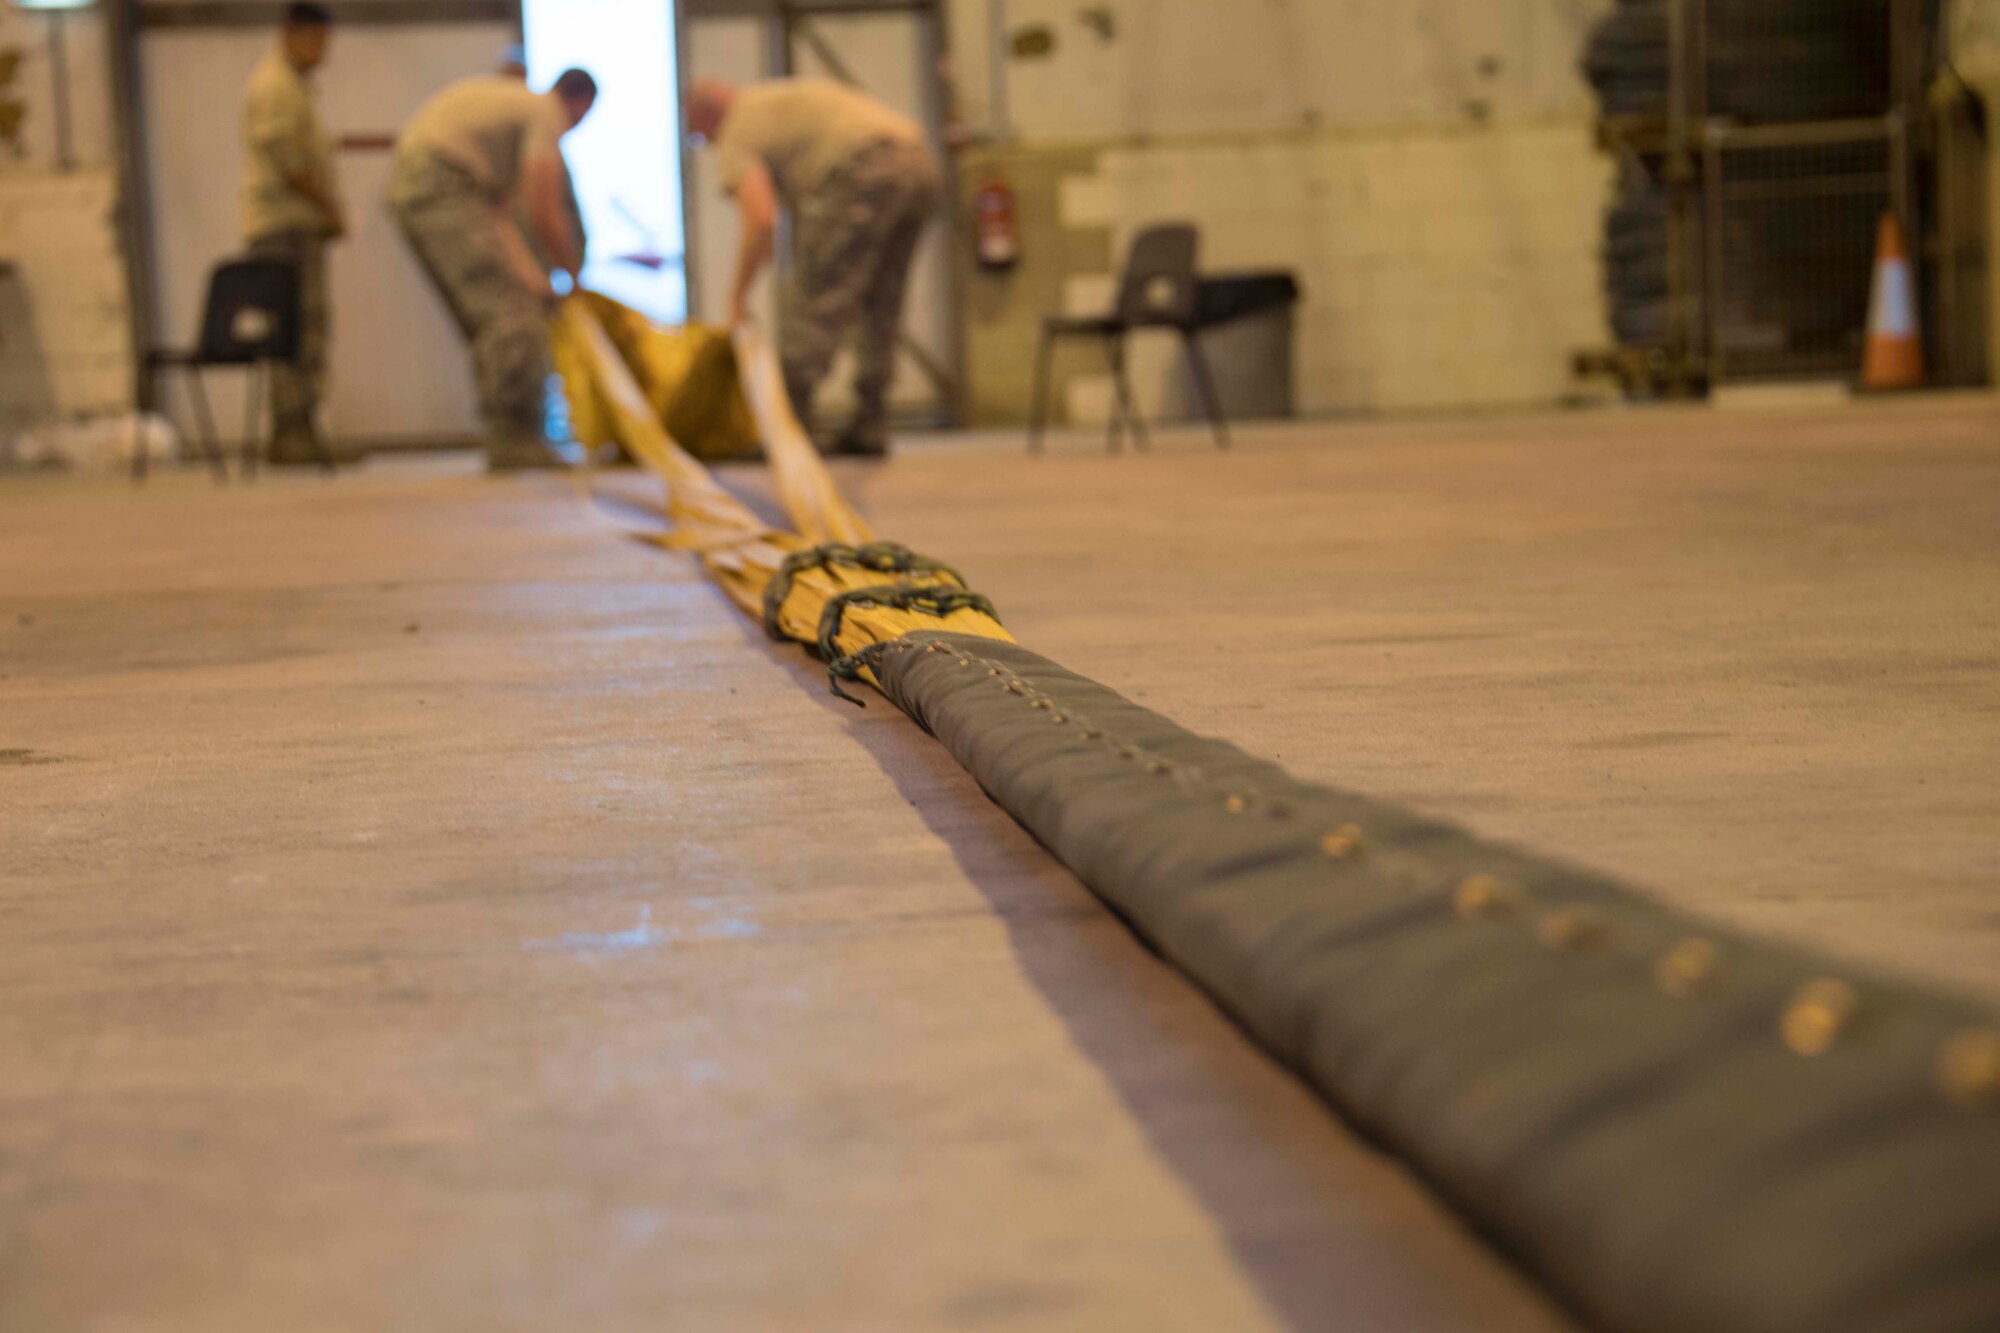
[688,375]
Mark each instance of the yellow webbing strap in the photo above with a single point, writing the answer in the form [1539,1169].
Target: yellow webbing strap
[739,550]
[811,500]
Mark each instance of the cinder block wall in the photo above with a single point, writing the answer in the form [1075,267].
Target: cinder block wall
[65,341]
[64,332]
[1425,167]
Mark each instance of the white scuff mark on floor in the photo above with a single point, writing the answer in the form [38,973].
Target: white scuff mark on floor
[639,1225]
[643,935]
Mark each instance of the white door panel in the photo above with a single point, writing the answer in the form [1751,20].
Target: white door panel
[399,370]
[625,158]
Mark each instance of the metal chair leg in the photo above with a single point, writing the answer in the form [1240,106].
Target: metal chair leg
[211,445]
[139,459]
[1205,385]
[324,448]
[253,419]
[1038,407]
[1114,424]
[1127,403]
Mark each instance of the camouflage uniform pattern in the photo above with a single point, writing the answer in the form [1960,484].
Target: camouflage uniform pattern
[452,225]
[298,385]
[853,240]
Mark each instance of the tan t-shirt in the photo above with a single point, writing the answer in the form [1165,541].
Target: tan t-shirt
[801,130]
[282,141]
[491,126]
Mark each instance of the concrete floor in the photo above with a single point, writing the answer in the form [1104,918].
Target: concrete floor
[423,909]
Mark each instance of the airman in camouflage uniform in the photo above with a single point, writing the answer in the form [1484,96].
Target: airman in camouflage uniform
[856,237]
[291,209]
[473,154]
[860,187]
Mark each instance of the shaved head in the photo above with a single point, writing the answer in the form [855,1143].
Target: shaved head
[708,103]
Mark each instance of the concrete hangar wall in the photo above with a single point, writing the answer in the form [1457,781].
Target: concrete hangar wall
[1426,167]
[65,348]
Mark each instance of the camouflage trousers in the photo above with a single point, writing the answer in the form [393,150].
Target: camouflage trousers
[298,385]
[453,226]
[853,241]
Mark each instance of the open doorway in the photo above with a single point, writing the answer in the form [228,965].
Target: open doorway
[626,158]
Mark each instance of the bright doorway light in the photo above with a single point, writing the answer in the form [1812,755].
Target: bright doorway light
[626,157]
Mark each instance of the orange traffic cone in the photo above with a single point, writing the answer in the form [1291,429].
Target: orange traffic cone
[1895,358]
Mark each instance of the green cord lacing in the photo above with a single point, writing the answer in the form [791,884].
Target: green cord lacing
[933,599]
[877,557]
[851,666]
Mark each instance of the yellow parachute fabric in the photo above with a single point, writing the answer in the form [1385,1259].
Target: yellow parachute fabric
[823,561]
[688,375]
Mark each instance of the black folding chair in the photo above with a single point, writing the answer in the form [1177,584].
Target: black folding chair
[251,319]
[1158,290]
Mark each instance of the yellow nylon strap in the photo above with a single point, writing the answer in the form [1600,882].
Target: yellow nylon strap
[737,549]
[810,499]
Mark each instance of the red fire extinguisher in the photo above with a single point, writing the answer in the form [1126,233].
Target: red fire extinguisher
[998,229]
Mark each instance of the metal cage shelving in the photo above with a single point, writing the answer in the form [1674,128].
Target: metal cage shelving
[1760,142]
